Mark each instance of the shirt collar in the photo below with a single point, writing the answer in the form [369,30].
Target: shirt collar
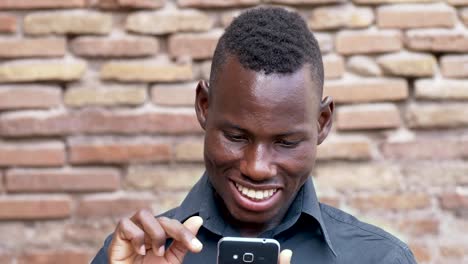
[200,201]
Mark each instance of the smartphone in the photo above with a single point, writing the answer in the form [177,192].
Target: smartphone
[237,250]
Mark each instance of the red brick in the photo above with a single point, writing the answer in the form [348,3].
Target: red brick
[38,4]
[303,2]
[378,116]
[34,207]
[454,66]
[6,258]
[61,180]
[55,256]
[456,202]
[38,154]
[464,15]
[37,47]
[439,40]
[367,90]
[121,122]
[189,149]
[194,45]
[427,149]
[419,227]
[108,150]
[405,201]
[146,71]
[357,42]
[435,174]
[88,232]
[118,47]
[29,96]
[333,66]
[333,201]
[216,3]
[421,252]
[114,4]
[112,205]
[174,94]
[8,23]
[415,16]
[437,115]
[348,148]
[454,251]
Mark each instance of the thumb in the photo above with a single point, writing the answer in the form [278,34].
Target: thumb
[285,256]
[178,250]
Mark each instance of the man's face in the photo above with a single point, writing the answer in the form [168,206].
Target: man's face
[260,141]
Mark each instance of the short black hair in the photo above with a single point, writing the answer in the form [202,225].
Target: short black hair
[272,40]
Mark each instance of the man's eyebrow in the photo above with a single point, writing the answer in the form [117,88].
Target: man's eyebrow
[227,124]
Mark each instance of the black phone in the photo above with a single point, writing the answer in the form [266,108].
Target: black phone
[240,250]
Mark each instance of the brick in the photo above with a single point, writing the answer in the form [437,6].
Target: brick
[464,15]
[441,89]
[34,207]
[8,23]
[190,149]
[347,148]
[48,123]
[377,2]
[13,229]
[435,174]
[416,16]
[29,96]
[326,18]
[438,40]
[426,149]
[194,45]
[456,202]
[6,258]
[453,251]
[367,90]
[164,22]
[118,47]
[37,47]
[88,232]
[44,70]
[303,2]
[421,252]
[333,66]
[352,177]
[40,4]
[132,71]
[437,115]
[62,180]
[408,64]
[358,42]
[40,154]
[109,95]
[377,116]
[68,22]
[174,94]
[216,3]
[333,201]
[325,41]
[403,201]
[116,4]
[364,66]
[457,2]
[55,256]
[113,205]
[165,201]
[116,150]
[163,177]
[419,227]
[202,70]
[454,66]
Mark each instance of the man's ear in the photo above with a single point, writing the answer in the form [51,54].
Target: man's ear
[325,119]
[202,102]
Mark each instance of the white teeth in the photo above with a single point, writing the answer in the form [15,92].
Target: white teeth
[255,194]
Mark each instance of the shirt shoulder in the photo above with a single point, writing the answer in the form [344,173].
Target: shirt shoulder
[355,240]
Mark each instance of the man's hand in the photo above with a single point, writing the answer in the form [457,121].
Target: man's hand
[285,256]
[141,239]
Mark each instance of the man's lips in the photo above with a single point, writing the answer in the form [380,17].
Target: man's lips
[255,199]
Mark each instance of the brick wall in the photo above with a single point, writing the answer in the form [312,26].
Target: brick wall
[96,118]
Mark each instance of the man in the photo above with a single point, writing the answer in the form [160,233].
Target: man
[263,117]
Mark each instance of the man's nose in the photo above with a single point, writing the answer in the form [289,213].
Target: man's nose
[257,163]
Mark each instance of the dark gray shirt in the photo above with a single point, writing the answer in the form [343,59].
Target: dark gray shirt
[315,232]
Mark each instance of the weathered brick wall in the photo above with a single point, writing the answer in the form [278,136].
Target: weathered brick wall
[96,117]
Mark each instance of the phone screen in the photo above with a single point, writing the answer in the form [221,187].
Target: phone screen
[239,250]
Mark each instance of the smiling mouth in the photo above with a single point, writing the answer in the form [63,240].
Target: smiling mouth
[253,194]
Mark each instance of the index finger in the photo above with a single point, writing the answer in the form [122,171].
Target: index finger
[181,233]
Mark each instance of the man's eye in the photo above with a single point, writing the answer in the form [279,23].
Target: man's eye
[288,144]
[235,138]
